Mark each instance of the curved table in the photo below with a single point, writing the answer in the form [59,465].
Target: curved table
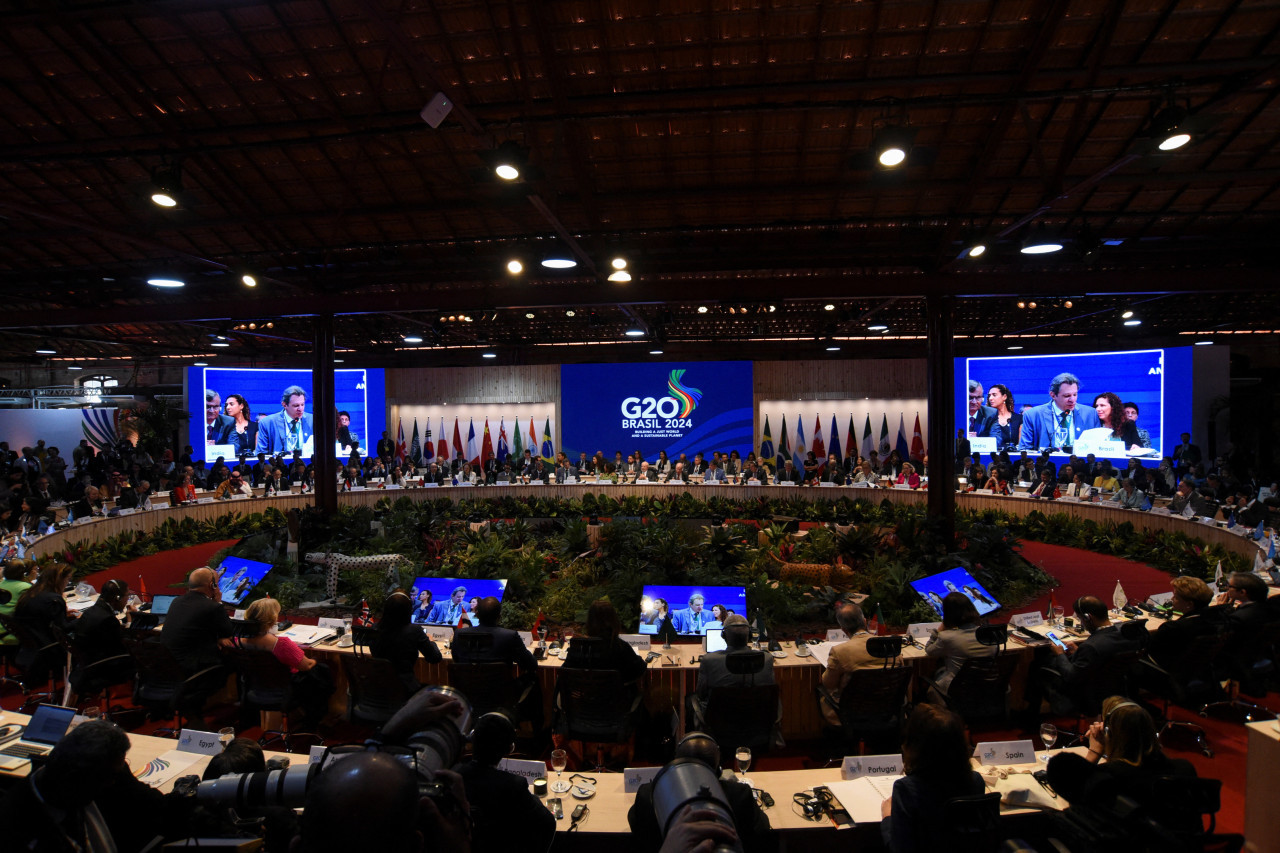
[98,530]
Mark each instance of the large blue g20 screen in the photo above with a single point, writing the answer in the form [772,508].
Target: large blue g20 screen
[679,407]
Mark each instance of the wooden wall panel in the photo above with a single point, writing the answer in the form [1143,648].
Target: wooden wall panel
[889,378]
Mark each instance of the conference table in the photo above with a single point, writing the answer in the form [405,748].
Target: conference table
[207,509]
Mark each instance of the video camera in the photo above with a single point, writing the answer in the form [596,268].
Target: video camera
[439,745]
[690,782]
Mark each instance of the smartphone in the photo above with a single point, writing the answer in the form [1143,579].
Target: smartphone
[557,807]
[1057,641]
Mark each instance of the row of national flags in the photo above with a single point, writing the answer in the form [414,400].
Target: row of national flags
[421,450]
[783,450]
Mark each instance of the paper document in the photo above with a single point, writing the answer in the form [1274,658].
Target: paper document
[307,635]
[862,797]
[822,652]
[166,767]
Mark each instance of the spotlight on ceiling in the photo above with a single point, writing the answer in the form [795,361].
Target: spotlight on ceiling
[1040,242]
[977,250]
[165,280]
[879,327]
[46,352]
[1204,343]
[656,351]
[166,185]
[569,313]
[1134,322]
[515,267]
[832,346]
[220,344]
[620,276]
[193,364]
[1015,346]
[413,339]
[1126,315]
[892,145]
[528,315]
[634,331]
[249,280]
[702,309]
[618,263]
[828,307]
[1168,128]
[559,261]
[78,367]
[488,355]
[509,160]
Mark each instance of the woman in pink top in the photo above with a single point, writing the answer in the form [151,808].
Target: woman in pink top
[908,476]
[312,681]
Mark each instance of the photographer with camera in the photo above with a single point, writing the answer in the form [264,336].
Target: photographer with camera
[689,807]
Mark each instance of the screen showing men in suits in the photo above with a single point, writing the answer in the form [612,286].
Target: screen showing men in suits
[247,412]
[449,601]
[691,610]
[936,587]
[1110,404]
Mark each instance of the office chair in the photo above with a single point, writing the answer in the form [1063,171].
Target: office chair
[1192,685]
[266,686]
[595,706]
[747,713]
[374,689]
[164,688]
[45,664]
[873,703]
[973,823]
[979,691]
[1250,661]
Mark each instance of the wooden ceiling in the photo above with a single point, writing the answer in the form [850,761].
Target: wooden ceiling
[722,147]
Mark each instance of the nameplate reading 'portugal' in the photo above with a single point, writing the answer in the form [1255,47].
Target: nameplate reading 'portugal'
[198,742]
[856,766]
[1006,752]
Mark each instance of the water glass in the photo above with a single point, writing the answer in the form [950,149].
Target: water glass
[1048,734]
[226,735]
[743,758]
[559,761]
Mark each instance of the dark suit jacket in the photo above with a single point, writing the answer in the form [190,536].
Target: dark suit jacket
[192,629]
[974,423]
[1168,643]
[619,656]
[217,431]
[713,672]
[1185,457]
[796,477]
[273,433]
[1097,649]
[507,648]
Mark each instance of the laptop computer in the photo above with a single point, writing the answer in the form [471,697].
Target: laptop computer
[160,605]
[46,727]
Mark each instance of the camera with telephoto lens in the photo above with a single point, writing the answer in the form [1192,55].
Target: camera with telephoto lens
[438,745]
[689,782]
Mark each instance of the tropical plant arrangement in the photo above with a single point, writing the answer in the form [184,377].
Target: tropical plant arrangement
[556,563]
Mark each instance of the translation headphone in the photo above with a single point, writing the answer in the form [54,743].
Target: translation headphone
[1106,721]
[114,591]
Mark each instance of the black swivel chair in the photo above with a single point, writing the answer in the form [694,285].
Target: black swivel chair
[980,689]
[38,663]
[973,823]
[1250,663]
[8,651]
[164,688]
[873,703]
[375,691]
[92,680]
[266,686]
[488,685]
[1192,685]
[747,713]
[595,706]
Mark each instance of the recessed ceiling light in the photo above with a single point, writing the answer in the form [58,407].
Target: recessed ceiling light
[248,280]
[412,339]
[634,332]
[570,313]
[1044,246]
[828,307]
[339,361]
[655,351]
[1176,141]
[977,250]
[163,199]
[47,351]
[166,281]
[833,347]
[621,276]
[1016,346]
[773,308]
[1126,315]
[528,315]
[1204,343]
[77,367]
[220,344]
[877,328]
[515,267]
[488,355]
[619,263]
[559,262]
[702,309]
[507,172]
[1133,322]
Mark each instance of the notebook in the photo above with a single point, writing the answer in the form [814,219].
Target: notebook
[47,726]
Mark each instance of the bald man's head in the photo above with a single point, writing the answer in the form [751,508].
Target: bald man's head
[367,801]
[201,579]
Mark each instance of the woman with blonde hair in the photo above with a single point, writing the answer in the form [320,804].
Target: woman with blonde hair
[312,682]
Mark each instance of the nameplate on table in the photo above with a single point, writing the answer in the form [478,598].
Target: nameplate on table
[1006,752]
[639,642]
[634,777]
[439,632]
[204,500]
[239,614]
[922,631]
[826,484]
[198,742]
[332,623]
[1071,499]
[430,485]
[393,486]
[753,482]
[857,766]
[529,771]
[836,635]
[526,638]
[1160,510]
[239,497]
[1027,620]
[983,444]
[1161,598]
[983,492]
[570,481]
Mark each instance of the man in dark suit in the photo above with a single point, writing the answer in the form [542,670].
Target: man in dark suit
[1058,423]
[507,648]
[979,411]
[713,671]
[538,471]
[963,447]
[506,816]
[217,426]
[699,465]
[289,429]
[386,448]
[1191,598]
[197,625]
[1186,455]
[1077,662]
[789,476]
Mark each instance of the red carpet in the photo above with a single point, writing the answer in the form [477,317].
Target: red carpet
[160,571]
[1086,573]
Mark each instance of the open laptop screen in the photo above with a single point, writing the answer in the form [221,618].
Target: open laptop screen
[160,604]
[48,724]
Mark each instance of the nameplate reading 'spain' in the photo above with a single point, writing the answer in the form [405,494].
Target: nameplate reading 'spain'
[1006,752]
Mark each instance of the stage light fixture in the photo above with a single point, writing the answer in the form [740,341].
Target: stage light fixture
[509,160]
[1031,305]
[46,352]
[1204,343]
[570,313]
[515,267]
[977,250]
[220,344]
[1134,322]
[1068,304]
[1022,305]
[1040,242]
[634,331]
[166,186]
[1015,347]
[702,309]
[528,315]
[78,367]
[832,346]
[828,307]
[412,339]
[1168,128]
[892,145]
[1126,315]
[878,327]
[620,276]
[165,280]
[559,261]
[488,355]
[619,263]
[249,280]
[656,351]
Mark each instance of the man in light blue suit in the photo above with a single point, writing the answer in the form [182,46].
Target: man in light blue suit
[289,429]
[692,620]
[1058,423]
[451,611]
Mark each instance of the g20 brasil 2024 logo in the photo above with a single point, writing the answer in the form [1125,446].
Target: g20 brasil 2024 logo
[674,409]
